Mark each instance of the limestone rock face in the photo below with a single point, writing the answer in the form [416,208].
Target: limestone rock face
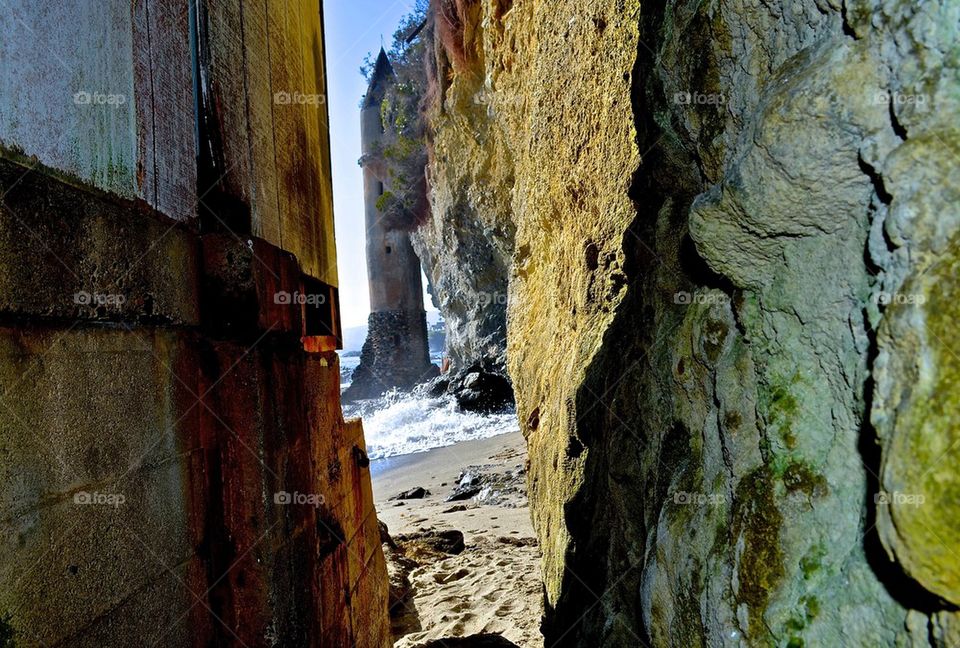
[730,235]
[466,248]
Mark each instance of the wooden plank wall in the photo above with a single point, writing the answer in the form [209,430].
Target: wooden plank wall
[136,136]
[87,92]
[269,85]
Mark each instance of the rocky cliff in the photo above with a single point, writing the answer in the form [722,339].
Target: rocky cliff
[729,231]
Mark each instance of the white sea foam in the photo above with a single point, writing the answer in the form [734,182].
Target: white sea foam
[402,423]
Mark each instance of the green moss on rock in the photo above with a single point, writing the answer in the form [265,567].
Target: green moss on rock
[809,608]
[798,477]
[758,521]
[812,561]
[780,406]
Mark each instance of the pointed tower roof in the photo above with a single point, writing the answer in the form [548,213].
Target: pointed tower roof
[382,73]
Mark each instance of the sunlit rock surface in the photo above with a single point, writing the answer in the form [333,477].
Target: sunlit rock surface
[729,232]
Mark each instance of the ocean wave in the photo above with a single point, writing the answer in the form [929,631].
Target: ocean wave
[401,423]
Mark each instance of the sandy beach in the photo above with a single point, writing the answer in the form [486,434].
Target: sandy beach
[489,583]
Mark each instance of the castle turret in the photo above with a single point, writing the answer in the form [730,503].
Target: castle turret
[395,353]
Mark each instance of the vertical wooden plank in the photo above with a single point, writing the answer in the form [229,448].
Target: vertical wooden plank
[146,177]
[228,85]
[307,217]
[175,166]
[327,242]
[317,220]
[265,210]
[288,129]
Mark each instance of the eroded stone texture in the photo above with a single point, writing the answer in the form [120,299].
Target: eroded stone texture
[728,407]
[467,246]
[394,355]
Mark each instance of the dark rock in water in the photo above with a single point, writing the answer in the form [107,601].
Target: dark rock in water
[414,493]
[448,541]
[435,388]
[482,389]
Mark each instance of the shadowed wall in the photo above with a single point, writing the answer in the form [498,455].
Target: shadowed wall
[176,469]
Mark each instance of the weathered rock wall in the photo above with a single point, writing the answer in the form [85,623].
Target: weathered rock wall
[732,277]
[467,246]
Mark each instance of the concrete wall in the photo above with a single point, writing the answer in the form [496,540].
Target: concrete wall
[174,464]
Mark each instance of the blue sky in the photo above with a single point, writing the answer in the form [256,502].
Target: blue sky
[353,28]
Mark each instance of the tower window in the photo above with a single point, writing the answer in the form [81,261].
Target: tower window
[379,188]
[389,249]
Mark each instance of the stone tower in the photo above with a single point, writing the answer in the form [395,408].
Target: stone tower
[395,353]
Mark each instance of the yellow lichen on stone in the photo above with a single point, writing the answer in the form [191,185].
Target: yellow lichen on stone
[539,136]
[920,506]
